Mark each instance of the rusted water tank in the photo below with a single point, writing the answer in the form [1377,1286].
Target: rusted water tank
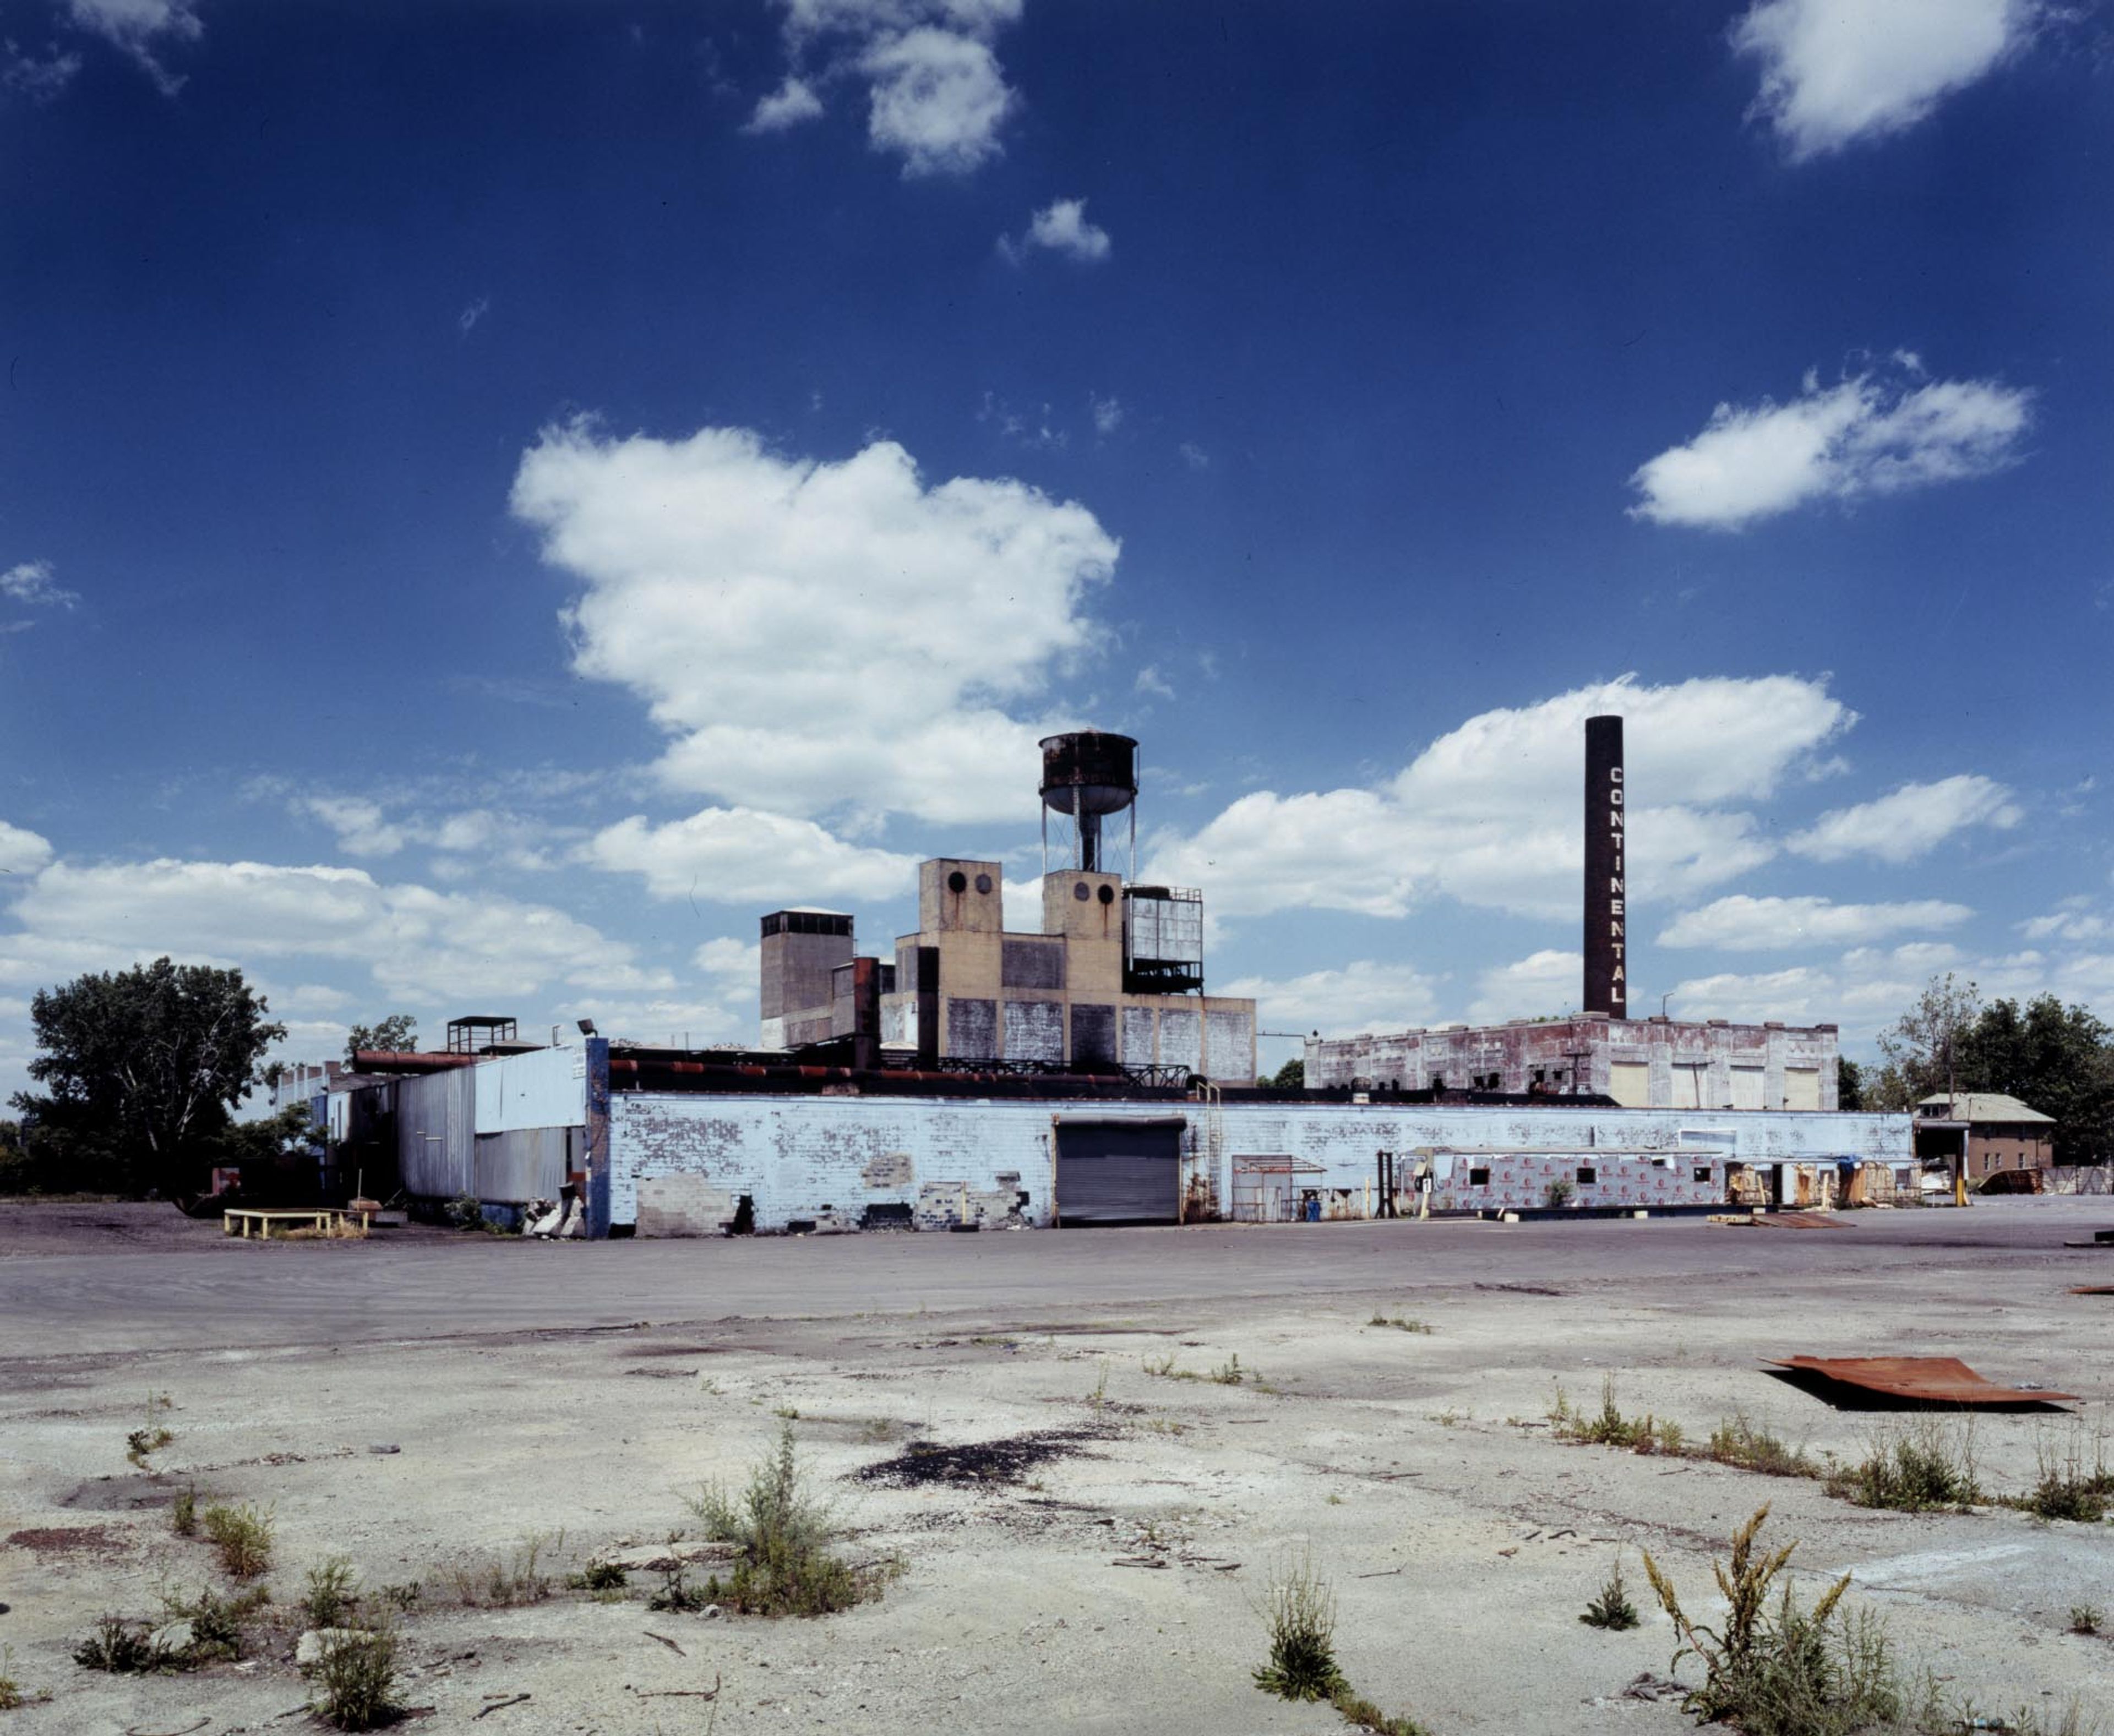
[1088,775]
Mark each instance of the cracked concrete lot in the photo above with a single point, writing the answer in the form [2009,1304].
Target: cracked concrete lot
[1090,1553]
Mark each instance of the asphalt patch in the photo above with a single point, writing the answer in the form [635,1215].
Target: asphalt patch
[974,1462]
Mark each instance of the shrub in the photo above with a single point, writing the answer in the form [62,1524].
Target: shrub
[1737,1441]
[1229,1374]
[2085,1618]
[1913,1471]
[599,1576]
[2068,1489]
[330,1598]
[782,1535]
[1301,1613]
[243,1536]
[359,1679]
[183,1514]
[464,1211]
[1612,1608]
[1399,1323]
[1557,1195]
[142,1442]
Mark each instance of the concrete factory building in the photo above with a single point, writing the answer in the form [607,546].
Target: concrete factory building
[1654,1063]
[1110,982]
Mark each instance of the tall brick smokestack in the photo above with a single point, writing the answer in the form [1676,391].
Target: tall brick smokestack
[1607,921]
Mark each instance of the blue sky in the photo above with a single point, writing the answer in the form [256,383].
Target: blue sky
[496,497]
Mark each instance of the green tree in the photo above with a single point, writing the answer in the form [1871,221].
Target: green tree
[1292,1076]
[142,1068]
[1925,1044]
[1849,1084]
[398,1034]
[2056,1059]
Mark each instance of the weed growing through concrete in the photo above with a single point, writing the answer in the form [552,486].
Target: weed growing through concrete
[330,1598]
[359,1679]
[1739,1442]
[2072,1484]
[183,1514]
[402,1598]
[784,1564]
[124,1648]
[1644,1434]
[243,1536]
[1612,1608]
[153,1435]
[1301,1611]
[219,1625]
[2085,1618]
[506,1582]
[1789,1672]
[676,1591]
[1912,1469]
[12,1696]
[599,1576]
[1229,1373]
[1400,1322]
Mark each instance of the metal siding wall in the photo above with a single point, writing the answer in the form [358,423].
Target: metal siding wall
[548,1089]
[443,1104]
[513,1168]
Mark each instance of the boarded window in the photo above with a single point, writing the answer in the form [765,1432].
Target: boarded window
[1801,1088]
[972,1029]
[1629,1083]
[1034,1030]
[1180,1037]
[1093,1034]
[1747,1087]
[1031,964]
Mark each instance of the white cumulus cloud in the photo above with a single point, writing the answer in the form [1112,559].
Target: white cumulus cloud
[414,942]
[1490,812]
[1366,995]
[819,636]
[1871,435]
[30,582]
[744,855]
[143,29]
[1544,982]
[1834,71]
[21,852]
[1744,924]
[793,101]
[1910,822]
[1062,227]
[937,97]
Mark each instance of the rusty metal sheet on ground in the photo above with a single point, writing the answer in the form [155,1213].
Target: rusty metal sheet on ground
[1798,1221]
[1942,1380]
[2092,1289]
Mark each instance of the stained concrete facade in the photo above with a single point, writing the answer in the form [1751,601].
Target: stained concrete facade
[680,1163]
[1641,1063]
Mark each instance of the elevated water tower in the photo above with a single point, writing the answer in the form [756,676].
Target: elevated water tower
[1088,775]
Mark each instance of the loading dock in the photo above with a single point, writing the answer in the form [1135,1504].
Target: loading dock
[1118,1171]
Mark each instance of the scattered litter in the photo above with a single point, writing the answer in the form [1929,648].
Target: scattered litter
[383,1448]
[134,1729]
[1939,1380]
[1139,1561]
[1649,1687]
[499,1706]
[1522,1290]
[1381,1574]
[666,1641]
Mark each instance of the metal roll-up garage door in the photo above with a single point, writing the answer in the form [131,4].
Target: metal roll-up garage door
[1119,1172]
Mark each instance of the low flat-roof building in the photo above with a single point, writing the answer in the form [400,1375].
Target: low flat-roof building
[1653,1063]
